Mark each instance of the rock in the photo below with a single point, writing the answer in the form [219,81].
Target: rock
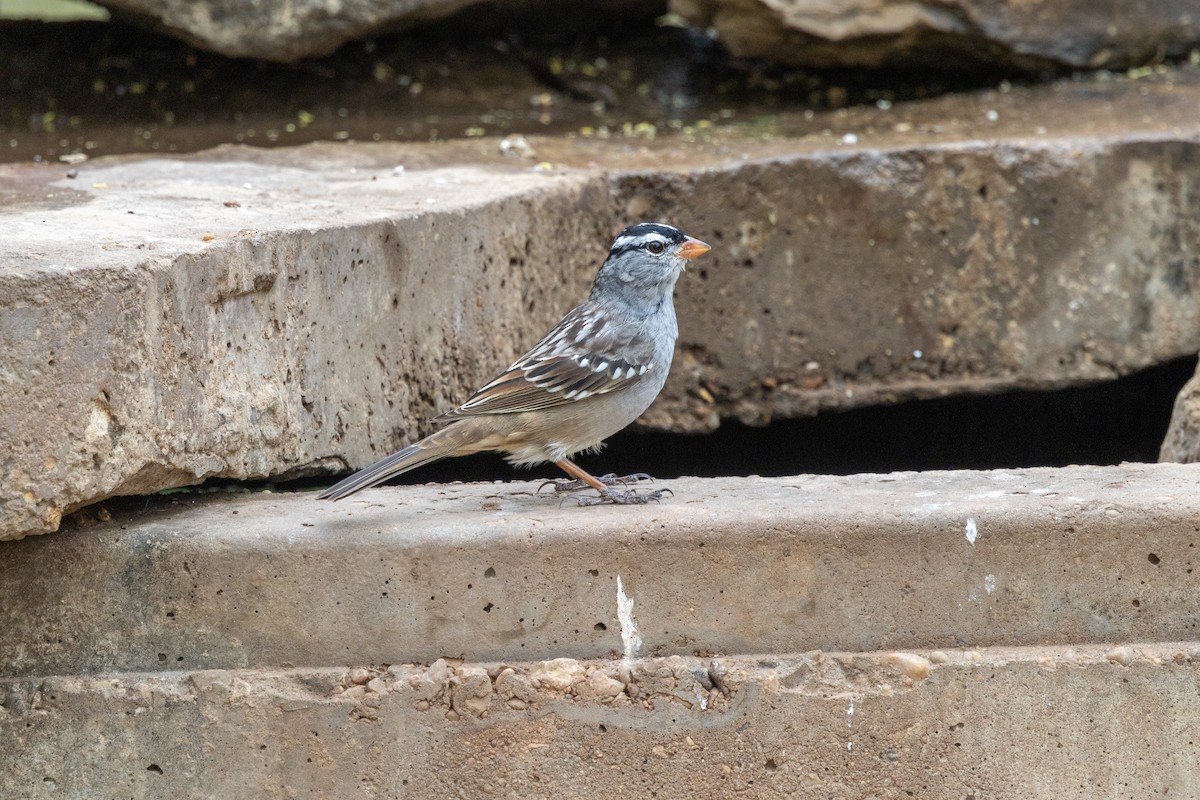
[599,685]
[289,30]
[293,312]
[1123,655]
[512,685]
[471,692]
[559,673]
[191,341]
[914,666]
[918,34]
[432,684]
[1182,442]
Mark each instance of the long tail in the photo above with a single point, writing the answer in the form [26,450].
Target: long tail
[437,445]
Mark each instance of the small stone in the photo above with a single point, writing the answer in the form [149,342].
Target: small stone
[472,691]
[378,685]
[359,676]
[600,685]
[559,673]
[510,684]
[1122,655]
[912,665]
[517,705]
[517,146]
[422,705]
[939,657]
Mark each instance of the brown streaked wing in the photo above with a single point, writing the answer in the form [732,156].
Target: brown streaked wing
[576,360]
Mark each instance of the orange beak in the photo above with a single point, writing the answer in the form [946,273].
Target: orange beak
[692,248]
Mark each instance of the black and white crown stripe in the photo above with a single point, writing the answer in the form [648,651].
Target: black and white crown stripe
[638,236]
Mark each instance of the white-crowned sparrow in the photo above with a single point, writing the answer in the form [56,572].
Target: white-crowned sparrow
[589,377]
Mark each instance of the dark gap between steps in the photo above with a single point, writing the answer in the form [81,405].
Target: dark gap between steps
[1107,423]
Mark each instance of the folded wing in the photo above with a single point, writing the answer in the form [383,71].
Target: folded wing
[584,355]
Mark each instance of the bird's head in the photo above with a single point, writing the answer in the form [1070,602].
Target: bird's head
[646,259]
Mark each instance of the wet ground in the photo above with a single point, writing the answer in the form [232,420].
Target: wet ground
[104,88]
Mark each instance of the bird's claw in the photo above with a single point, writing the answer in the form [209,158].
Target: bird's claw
[631,497]
[562,485]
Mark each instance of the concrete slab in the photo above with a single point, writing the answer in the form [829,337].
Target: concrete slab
[1050,723]
[248,313]
[489,572]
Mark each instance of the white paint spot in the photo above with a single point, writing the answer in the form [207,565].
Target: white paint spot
[629,629]
[850,724]
[989,583]
[850,138]
[972,531]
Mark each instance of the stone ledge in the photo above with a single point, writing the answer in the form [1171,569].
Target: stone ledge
[297,311]
[838,724]
[488,572]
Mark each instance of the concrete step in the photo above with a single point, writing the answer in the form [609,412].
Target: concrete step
[1039,722]
[255,313]
[489,572]
[1028,633]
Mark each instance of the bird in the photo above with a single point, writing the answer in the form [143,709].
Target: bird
[593,374]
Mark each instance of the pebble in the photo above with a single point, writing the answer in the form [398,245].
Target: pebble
[359,676]
[1122,655]
[914,666]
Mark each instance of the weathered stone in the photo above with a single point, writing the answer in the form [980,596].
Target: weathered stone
[289,30]
[901,562]
[1182,442]
[599,684]
[154,357]
[950,35]
[471,692]
[558,673]
[936,738]
[256,318]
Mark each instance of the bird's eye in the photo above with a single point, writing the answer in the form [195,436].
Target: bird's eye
[656,248]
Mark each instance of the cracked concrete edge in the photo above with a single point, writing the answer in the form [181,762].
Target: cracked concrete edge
[486,572]
[274,351]
[847,724]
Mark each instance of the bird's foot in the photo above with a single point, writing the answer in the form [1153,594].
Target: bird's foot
[611,479]
[629,498]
